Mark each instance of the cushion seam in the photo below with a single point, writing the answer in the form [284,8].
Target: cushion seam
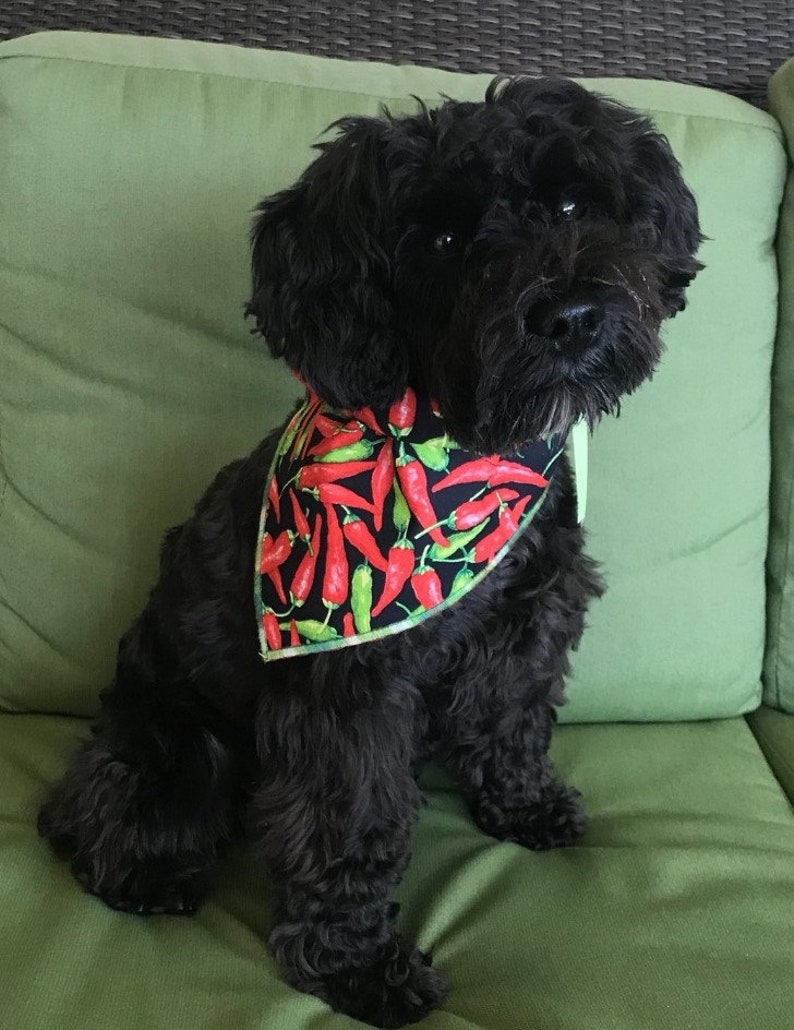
[786,548]
[3,473]
[775,130]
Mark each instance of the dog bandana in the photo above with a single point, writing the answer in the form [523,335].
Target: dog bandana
[373,521]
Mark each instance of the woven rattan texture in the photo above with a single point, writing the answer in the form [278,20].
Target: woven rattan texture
[728,44]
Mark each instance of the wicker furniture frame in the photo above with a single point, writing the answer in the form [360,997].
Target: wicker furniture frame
[732,45]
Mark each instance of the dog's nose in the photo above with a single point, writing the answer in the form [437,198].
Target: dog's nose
[571,325]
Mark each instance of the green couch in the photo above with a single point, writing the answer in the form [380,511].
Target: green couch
[129,169]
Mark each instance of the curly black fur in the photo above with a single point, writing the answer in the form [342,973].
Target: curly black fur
[516,258]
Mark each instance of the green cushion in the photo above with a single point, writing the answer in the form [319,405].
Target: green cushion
[779,664]
[774,731]
[673,912]
[129,168]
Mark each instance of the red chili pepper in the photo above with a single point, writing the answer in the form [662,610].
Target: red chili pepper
[511,516]
[427,587]
[471,513]
[434,407]
[336,581]
[509,472]
[401,565]
[402,413]
[333,493]
[275,554]
[490,545]
[382,479]
[358,534]
[477,471]
[341,438]
[348,627]
[294,637]
[272,631]
[413,480]
[274,498]
[311,476]
[306,430]
[301,521]
[304,576]
[493,471]
[326,426]
[278,583]
[367,416]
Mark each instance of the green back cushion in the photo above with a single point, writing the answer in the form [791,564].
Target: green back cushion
[129,169]
[779,666]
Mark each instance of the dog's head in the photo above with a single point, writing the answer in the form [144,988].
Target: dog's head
[514,258]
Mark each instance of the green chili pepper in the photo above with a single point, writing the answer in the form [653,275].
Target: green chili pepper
[433,454]
[292,430]
[462,579]
[456,541]
[402,513]
[289,436]
[361,597]
[305,429]
[313,630]
[358,451]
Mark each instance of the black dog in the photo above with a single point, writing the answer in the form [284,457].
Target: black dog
[514,259]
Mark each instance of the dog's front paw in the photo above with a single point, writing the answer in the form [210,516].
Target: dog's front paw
[400,988]
[148,889]
[555,821]
[181,898]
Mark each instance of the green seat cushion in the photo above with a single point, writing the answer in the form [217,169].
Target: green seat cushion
[779,664]
[128,171]
[674,910]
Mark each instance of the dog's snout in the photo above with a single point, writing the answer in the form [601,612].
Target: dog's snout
[570,325]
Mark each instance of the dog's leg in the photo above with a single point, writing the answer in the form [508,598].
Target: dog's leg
[496,724]
[147,800]
[333,815]
[497,750]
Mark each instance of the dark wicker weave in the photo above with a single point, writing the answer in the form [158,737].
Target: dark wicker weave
[728,44]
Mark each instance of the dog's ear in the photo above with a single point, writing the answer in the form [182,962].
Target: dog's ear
[665,203]
[321,293]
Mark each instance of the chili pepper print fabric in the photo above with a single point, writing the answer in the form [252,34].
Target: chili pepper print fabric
[375,520]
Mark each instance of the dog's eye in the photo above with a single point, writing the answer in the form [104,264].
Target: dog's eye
[567,209]
[444,241]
